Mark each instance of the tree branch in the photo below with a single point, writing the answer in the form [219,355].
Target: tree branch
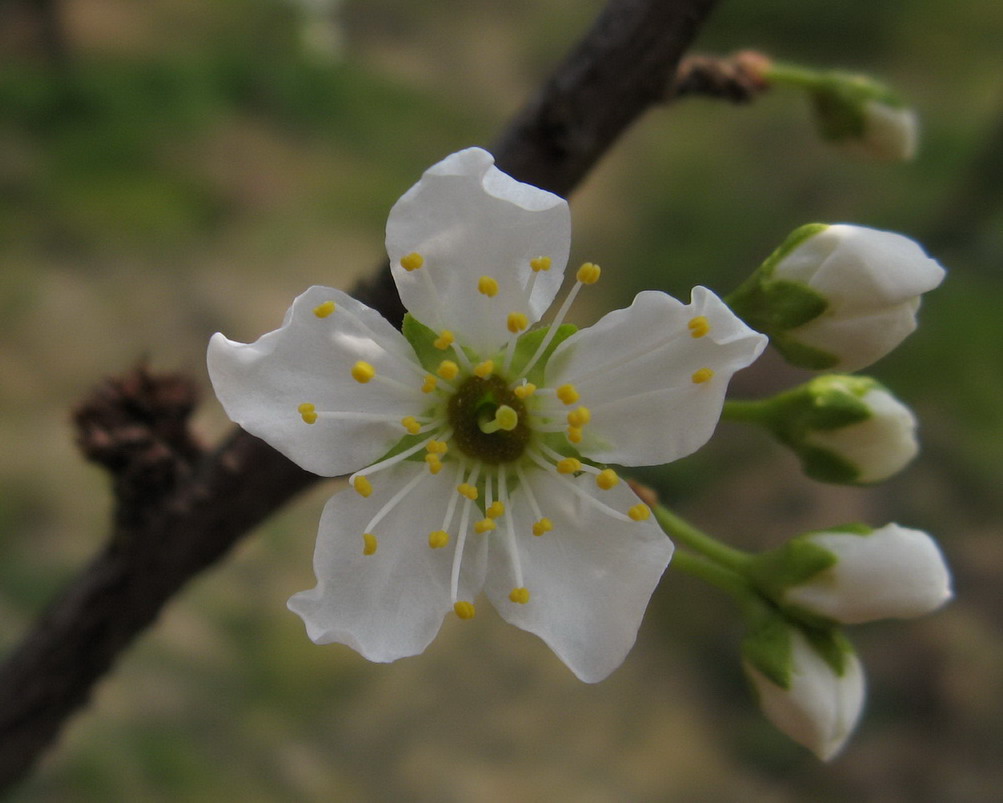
[179,508]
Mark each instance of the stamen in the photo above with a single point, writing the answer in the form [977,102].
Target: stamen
[363,372]
[579,418]
[323,310]
[410,423]
[467,490]
[484,526]
[308,412]
[430,383]
[485,369]
[437,539]
[588,273]
[517,322]
[395,499]
[510,542]
[569,465]
[540,263]
[448,370]
[487,286]
[362,485]
[639,512]
[525,390]
[434,463]
[369,544]
[461,539]
[465,610]
[390,461]
[542,526]
[703,375]
[607,478]
[444,340]
[574,434]
[495,510]
[573,486]
[519,595]
[567,394]
[437,447]
[698,326]
[412,261]
[528,492]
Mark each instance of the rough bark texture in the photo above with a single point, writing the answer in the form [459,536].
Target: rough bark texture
[181,508]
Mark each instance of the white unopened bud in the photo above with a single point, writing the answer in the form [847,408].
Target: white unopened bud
[887,132]
[891,572]
[875,448]
[815,705]
[870,282]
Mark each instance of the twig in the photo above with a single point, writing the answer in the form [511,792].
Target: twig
[179,509]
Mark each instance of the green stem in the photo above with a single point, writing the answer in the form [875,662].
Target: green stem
[711,572]
[793,75]
[688,535]
[754,412]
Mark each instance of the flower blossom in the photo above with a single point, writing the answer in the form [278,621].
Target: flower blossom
[478,446]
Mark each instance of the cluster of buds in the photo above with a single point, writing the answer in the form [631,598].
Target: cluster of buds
[809,680]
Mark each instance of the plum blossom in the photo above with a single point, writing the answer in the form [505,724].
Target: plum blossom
[478,446]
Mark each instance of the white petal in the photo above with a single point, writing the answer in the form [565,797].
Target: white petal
[589,578]
[895,572]
[467,219]
[859,340]
[820,709]
[309,359]
[634,370]
[390,604]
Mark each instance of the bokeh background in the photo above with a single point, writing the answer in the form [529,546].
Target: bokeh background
[173,168]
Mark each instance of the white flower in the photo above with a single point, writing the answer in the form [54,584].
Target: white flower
[891,572]
[870,281]
[877,447]
[816,706]
[478,445]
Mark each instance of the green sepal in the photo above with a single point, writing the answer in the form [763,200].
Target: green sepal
[801,355]
[792,564]
[823,465]
[527,345]
[768,648]
[840,100]
[422,340]
[832,645]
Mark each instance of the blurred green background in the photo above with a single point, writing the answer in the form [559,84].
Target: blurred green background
[173,168]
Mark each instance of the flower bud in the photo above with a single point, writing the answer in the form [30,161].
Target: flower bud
[845,429]
[810,684]
[890,573]
[838,297]
[863,117]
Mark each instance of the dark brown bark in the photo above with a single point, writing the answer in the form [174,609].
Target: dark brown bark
[180,509]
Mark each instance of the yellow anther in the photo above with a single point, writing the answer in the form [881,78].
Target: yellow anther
[437,539]
[640,512]
[487,286]
[369,544]
[308,412]
[567,394]
[588,273]
[429,384]
[467,490]
[485,369]
[520,595]
[448,369]
[362,372]
[444,340]
[702,375]
[517,322]
[579,418]
[323,310]
[575,434]
[699,326]
[410,423]
[569,465]
[434,463]
[539,263]
[412,261]
[525,390]
[362,485]
[544,525]
[606,479]
[464,609]
[495,509]
[484,526]
[437,447]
